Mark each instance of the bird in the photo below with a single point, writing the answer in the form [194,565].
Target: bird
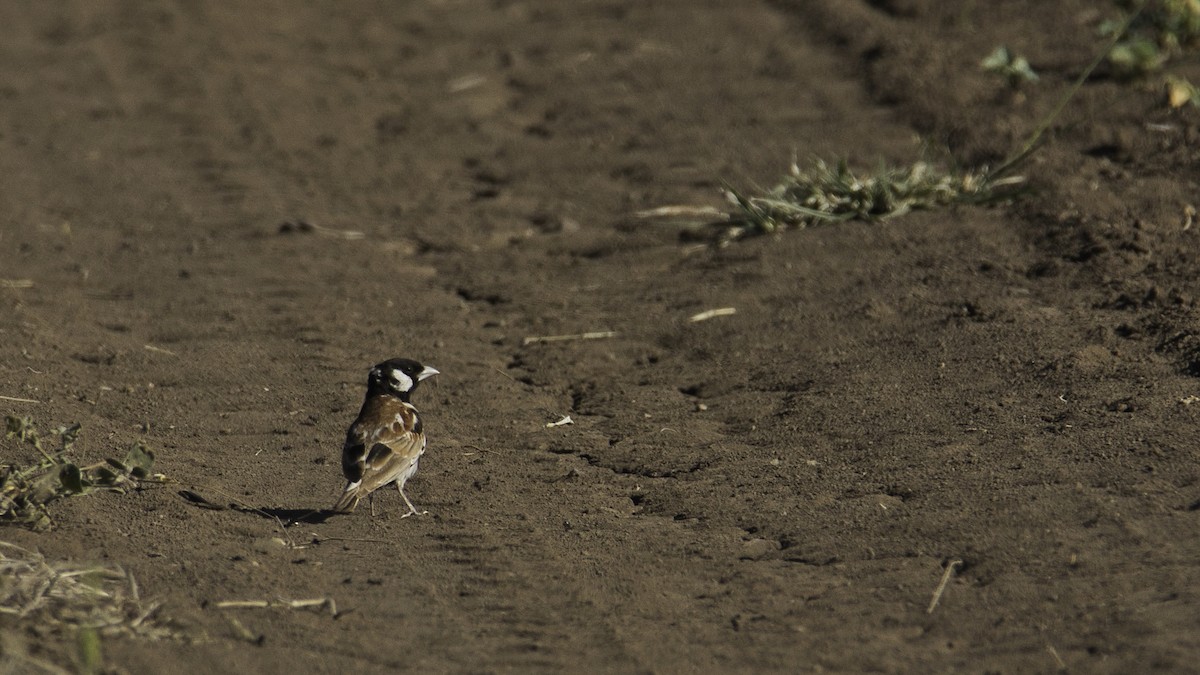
[387,439]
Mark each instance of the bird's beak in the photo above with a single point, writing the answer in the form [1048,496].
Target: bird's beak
[427,373]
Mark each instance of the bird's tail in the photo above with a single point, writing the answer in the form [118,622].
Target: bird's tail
[349,500]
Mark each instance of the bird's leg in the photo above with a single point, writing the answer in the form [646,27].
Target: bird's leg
[371,503]
[412,510]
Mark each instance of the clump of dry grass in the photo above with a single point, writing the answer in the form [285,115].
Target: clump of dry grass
[63,596]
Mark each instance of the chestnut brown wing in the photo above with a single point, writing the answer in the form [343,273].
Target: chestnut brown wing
[393,460]
[382,445]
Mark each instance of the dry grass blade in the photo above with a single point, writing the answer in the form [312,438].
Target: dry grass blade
[281,603]
[681,211]
[596,335]
[941,587]
[242,604]
[712,314]
[62,596]
[160,350]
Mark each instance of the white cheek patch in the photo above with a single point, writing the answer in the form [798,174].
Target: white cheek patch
[403,382]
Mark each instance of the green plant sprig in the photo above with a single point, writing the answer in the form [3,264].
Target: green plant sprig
[1014,68]
[25,491]
[1154,33]
[825,192]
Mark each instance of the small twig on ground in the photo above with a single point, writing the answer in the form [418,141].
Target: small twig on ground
[18,400]
[160,350]
[683,211]
[465,82]
[316,602]
[1062,665]
[303,226]
[242,631]
[243,604]
[941,587]
[280,603]
[478,450]
[564,420]
[713,313]
[596,335]
[319,539]
[503,373]
[16,283]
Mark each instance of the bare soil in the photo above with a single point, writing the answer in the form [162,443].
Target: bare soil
[780,489]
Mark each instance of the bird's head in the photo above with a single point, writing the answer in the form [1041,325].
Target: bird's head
[398,377]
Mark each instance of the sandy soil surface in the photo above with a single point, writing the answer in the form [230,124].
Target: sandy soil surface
[780,489]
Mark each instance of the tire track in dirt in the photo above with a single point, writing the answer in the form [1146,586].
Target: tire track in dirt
[487,564]
[521,615]
[451,596]
[653,476]
[161,60]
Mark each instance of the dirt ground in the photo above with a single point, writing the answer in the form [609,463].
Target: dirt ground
[780,489]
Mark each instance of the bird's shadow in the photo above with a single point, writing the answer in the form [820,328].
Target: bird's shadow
[290,517]
[285,517]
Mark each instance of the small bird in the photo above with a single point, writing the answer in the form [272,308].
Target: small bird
[386,441]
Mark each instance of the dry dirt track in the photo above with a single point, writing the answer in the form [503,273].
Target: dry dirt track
[777,490]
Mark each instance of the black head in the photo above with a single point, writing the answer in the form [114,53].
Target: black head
[398,377]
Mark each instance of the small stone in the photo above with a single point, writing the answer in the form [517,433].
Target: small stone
[756,549]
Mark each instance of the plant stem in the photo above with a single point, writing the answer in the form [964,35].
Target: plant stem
[1035,138]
